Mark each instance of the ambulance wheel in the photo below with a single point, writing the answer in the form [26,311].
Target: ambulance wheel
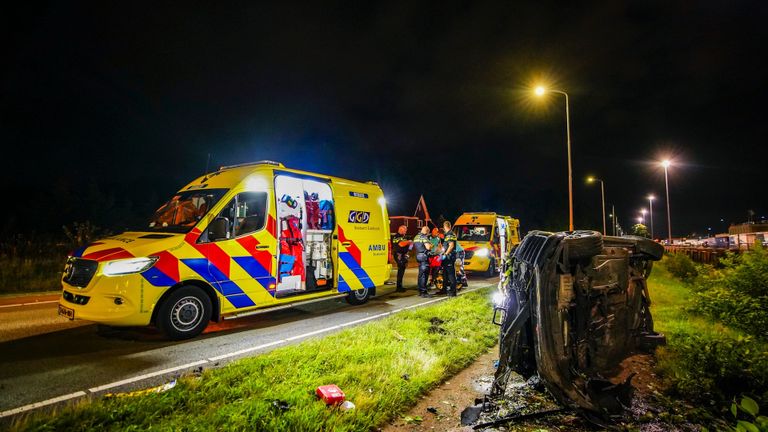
[358,297]
[185,313]
[491,268]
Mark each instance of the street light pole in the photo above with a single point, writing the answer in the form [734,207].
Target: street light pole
[570,169]
[650,207]
[602,198]
[613,212]
[539,92]
[666,164]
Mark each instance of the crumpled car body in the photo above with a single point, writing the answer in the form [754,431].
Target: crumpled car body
[575,305]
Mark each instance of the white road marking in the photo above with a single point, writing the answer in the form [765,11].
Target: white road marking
[28,304]
[145,376]
[32,406]
[216,358]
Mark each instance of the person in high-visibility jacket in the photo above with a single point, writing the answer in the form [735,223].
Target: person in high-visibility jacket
[449,260]
[401,245]
[422,245]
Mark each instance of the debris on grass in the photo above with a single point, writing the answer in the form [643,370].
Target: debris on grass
[158,389]
[331,394]
[280,405]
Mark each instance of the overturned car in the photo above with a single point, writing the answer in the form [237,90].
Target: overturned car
[573,306]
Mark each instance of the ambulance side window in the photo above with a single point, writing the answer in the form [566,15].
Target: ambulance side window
[245,213]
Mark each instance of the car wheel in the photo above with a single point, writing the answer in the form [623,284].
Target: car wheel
[358,297]
[584,244]
[491,268]
[185,313]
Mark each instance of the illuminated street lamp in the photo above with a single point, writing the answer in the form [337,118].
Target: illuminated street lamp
[602,195]
[650,212]
[666,163]
[541,91]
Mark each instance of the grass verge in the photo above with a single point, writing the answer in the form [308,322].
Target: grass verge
[705,361]
[383,367]
[25,275]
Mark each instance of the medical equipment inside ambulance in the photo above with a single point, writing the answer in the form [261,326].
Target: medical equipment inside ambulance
[305,225]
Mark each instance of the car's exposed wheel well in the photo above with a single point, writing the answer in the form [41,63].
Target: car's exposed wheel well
[207,289]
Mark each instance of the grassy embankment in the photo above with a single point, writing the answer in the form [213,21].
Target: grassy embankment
[22,275]
[383,367]
[705,362]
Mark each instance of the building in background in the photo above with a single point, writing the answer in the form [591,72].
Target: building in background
[413,223]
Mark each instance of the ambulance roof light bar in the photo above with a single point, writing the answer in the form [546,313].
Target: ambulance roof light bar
[261,162]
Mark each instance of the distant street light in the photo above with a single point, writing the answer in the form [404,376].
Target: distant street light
[602,195]
[650,205]
[540,91]
[666,163]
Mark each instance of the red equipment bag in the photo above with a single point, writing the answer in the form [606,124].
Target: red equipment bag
[435,261]
[330,394]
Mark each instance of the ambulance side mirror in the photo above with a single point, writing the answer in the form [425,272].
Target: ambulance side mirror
[218,229]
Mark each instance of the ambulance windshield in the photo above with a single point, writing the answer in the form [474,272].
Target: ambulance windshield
[184,210]
[476,233]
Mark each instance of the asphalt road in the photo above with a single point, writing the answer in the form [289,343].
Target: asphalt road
[46,359]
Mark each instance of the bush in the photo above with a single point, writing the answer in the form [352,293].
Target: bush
[737,293]
[712,367]
[681,267]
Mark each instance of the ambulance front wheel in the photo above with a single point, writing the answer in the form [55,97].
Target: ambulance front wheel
[358,297]
[185,313]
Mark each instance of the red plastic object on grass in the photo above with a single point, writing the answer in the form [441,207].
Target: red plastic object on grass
[330,394]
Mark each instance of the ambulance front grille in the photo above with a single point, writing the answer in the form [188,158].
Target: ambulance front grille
[79,272]
[468,254]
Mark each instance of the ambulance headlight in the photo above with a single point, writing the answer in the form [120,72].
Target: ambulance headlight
[128,266]
[482,252]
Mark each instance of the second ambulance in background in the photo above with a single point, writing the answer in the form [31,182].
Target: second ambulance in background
[484,237]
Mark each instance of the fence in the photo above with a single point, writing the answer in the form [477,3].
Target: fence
[699,254]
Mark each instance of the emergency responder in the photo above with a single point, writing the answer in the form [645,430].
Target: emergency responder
[434,268]
[422,246]
[401,246]
[449,260]
[462,275]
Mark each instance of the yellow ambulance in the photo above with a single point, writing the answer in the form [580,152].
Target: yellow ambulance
[485,237]
[235,242]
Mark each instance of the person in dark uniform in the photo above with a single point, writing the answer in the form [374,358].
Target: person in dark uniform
[449,260]
[422,246]
[401,245]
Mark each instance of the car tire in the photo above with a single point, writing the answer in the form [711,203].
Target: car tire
[185,313]
[583,244]
[491,268]
[358,297]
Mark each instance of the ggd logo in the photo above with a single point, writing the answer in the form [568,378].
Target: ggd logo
[359,217]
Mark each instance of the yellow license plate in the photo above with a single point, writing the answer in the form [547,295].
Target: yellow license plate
[67,312]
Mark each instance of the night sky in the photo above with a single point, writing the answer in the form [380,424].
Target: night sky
[121,103]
